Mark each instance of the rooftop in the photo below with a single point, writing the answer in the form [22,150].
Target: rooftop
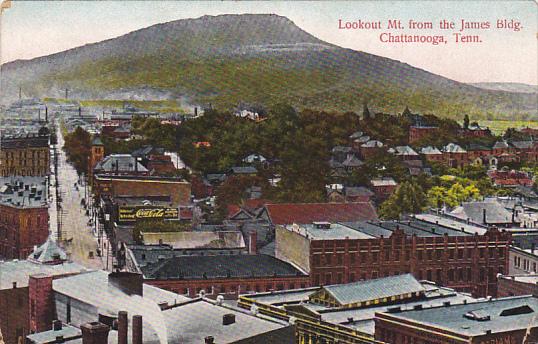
[327,232]
[493,211]
[120,163]
[219,266]
[19,271]
[187,240]
[474,319]
[307,213]
[68,333]
[23,192]
[47,253]
[191,322]
[374,289]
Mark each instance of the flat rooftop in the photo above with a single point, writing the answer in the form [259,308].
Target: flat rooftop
[334,231]
[19,271]
[474,319]
[193,321]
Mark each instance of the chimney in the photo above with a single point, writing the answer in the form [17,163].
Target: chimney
[137,329]
[196,114]
[57,325]
[39,115]
[128,282]
[123,327]
[41,305]
[46,114]
[79,111]
[252,237]
[14,285]
[94,333]
[59,339]
[484,216]
[209,340]
[228,319]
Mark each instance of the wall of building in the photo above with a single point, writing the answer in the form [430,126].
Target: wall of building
[25,161]
[292,247]
[230,286]
[21,229]
[466,263]
[522,262]
[509,286]
[14,321]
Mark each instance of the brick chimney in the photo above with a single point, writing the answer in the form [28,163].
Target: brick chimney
[94,333]
[252,237]
[41,302]
[123,327]
[137,329]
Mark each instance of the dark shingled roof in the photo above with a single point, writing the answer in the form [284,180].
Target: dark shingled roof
[30,141]
[219,266]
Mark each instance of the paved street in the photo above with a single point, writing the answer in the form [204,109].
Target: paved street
[77,236]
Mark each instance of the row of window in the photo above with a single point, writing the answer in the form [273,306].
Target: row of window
[526,264]
[239,288]
[364,257]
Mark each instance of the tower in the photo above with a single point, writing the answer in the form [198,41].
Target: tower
[97,154]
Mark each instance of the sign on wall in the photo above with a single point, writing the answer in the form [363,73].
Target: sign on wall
[140,213]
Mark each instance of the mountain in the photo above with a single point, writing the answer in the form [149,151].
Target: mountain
[507,86]
[265,59]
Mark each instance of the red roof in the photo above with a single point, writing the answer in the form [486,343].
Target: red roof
[305,213]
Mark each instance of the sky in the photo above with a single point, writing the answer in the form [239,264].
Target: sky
[36,28]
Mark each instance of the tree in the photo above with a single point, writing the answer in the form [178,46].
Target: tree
[365,112]
[466,122]
[408,198]
[77,147]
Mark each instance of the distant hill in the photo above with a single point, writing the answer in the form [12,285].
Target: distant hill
[507,86]
[265,59]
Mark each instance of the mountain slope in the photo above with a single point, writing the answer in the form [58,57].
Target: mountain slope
[266,59]
[507,86]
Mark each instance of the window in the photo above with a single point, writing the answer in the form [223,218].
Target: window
[352,277]
[340,278]
[439,276]
[460,274]
[316,259]
[429,255]
[339,258]
[481,253]
[387,255]
[451,274]
[469,274]
[407,255]
[451,254]
[438,254]
[316,279]
[429,275]
[352,258]
[460,254]
[501,252]
[328,278]
[420,255]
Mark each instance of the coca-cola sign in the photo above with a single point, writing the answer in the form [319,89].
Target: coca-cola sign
[138,213]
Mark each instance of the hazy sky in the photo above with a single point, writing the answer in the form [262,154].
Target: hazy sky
[30,29]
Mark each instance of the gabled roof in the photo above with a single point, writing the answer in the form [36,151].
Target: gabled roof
[374,289]
[453,148]
[121,163]
[356,135]
[352,161]
[373,144]
[522,144]
[48,253]
[97,141]
[362,139]
[405,151]
[500,145]
[254,158]
[358,191]
[430,151]
[341,149]
[383,182]
[243,170]
[496,213]
[306,213]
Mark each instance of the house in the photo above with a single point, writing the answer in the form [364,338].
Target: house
[404,152]
[120,164]
[370,148]
[486,213]
[511,178]
[254,158]
[383,188]
[243,170]
[416,133]
[454,155]
[432,154]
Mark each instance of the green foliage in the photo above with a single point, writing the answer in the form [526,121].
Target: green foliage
[408,198]
[77,148]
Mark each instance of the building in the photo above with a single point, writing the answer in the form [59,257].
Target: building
[345,313]
[14,291]
[383,188]
[404,153]
[97,154]
[305,213]
[518,284]
[455,156]
[335,253]
[177,189]
[432,154]
[522,261]
[24,215]
[120,164]
[417,133]
[214,273]
[505,320]
[25,155]
[489,212]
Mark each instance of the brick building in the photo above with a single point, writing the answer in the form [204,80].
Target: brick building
[342,253]
[345,313]
[505,320]
[24,215]
[14,290]
[188,273]
[97,153]
[416,133]
[514,285]
[25,156]
[177,189]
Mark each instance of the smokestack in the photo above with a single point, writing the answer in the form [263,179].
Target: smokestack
[123,326]
[94,333]
[209,340]
[252,237]
[137,329]
[195,111]
[39,115]
[46,114]
[41,302]
[79,111]
[484,216]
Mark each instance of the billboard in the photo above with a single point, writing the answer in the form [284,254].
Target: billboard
[146,213]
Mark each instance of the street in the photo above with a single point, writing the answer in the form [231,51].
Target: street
[75,233]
